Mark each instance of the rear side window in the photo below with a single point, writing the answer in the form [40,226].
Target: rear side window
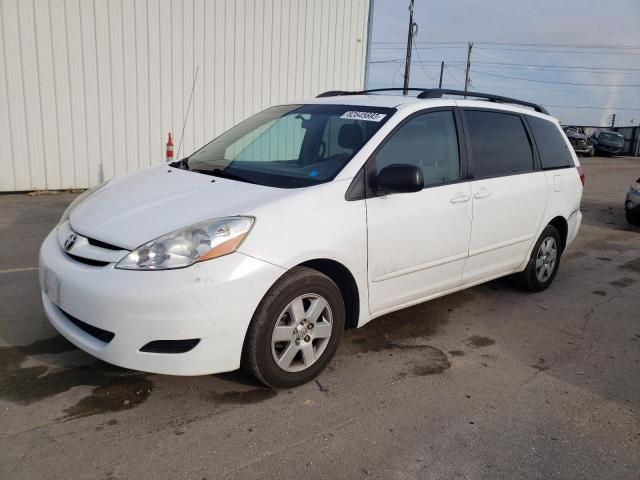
[499,144]
[551,145]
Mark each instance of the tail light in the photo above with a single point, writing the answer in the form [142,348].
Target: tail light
[581,173]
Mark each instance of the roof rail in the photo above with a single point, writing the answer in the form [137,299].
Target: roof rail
[438,93]
[338,93]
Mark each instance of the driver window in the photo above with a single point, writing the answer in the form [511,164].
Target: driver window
[429,141]
[341,137]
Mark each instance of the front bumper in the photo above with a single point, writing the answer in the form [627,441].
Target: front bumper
[213,301]
[632,203]
[608,149]
[580,146]
[581,149]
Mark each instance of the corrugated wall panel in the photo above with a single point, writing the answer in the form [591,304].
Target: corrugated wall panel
[6,154]
[17,126]
[90,88]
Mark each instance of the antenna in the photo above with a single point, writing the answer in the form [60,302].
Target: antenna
[186,115]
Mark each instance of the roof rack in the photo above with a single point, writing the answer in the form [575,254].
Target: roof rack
[338,93]
[438,93]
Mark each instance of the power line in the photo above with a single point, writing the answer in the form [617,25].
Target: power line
[555,90]
[551,81]
[585,107]
[570,68]
[542,66]
[591,108]
[421,63]
[558,51]
[393,60]
[521,44]
[573,51]
[566,45]
[446,67]
[507,65]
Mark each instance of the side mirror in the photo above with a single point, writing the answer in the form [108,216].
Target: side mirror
[399,178]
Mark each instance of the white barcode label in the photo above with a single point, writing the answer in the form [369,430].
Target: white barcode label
[368,116]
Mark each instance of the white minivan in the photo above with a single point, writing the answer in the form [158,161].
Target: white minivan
[259,249]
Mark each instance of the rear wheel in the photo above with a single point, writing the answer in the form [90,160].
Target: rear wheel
[296,329]
[543,264]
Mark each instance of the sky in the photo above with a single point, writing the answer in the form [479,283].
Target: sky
[578,58]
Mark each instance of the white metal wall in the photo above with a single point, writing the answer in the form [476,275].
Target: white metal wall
[90,88]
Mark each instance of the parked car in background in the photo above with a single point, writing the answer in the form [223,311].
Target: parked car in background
[260,248]
[632,203]
[579,141]
[606,142]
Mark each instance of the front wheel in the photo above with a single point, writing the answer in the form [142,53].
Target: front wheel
[632,218]
[295,330]
[544,261]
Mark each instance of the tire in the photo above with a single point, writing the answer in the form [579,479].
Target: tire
[306,337]
[633,219]
[545,259]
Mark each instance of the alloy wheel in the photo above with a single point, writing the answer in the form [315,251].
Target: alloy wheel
[302,332]
[546,259]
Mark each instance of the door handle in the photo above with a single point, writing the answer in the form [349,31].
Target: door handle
[482,193]
[460,198]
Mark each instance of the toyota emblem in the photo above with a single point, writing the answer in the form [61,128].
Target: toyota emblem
[70,241]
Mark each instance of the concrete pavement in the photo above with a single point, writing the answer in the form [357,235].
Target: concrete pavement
[491,382]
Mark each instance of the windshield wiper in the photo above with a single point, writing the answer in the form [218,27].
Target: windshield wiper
[182,163]
[217,172]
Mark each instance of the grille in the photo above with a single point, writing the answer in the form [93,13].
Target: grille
[102,335]
[170,346]
[87,261]
[98,243]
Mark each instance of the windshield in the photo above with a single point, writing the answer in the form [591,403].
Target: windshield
[290,146]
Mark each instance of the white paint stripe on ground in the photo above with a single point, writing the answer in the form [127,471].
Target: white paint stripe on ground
[17,270]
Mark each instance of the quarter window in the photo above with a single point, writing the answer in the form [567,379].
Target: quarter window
[429,141]
[552,147]
[499,144]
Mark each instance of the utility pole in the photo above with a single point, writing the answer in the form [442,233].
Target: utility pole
[613,120]
[407,62]
[466,74]
[441,70]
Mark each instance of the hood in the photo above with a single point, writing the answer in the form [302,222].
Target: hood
[574,134]
[140,207]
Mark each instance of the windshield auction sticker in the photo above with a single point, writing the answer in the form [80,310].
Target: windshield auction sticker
[368,116]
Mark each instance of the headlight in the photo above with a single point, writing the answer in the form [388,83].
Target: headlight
[636,187]
[196,243]
[79,199]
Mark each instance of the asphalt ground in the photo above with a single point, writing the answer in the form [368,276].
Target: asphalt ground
[488,383]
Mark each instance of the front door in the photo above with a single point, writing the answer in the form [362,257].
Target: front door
[418,242]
